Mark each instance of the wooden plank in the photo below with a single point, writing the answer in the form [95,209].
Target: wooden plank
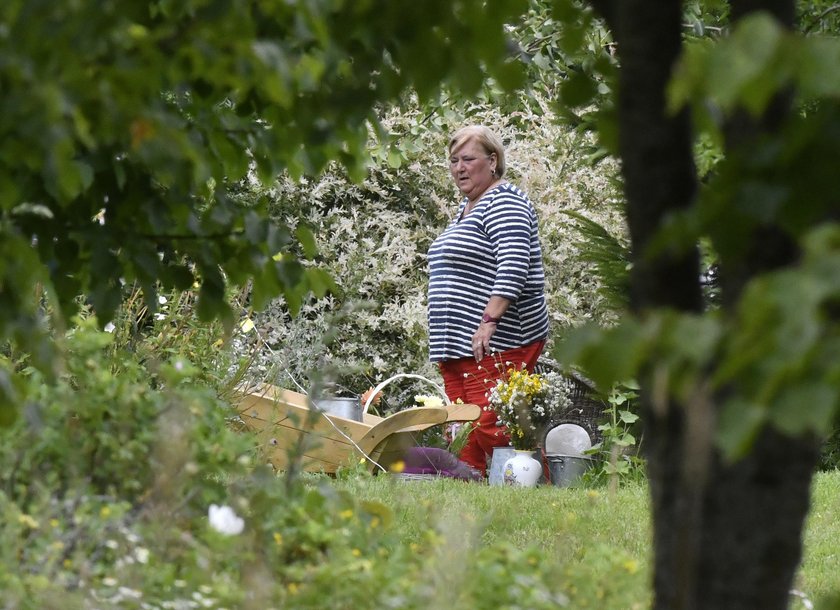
[400,420]
[455,413]
[319,453]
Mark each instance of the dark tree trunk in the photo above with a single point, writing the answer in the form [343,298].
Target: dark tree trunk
[726,536]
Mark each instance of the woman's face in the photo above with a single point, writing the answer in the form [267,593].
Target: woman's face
[472,168]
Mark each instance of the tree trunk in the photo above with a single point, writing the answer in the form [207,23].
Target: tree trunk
[726,536]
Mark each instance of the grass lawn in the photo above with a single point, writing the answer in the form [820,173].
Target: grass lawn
[596,542]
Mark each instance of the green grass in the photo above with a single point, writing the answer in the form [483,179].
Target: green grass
[597,542]
[820,572]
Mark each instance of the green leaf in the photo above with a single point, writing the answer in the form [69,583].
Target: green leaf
[750,66]
[739,424]
[578,89]
[607,356]
[807,406]
[627,417]
[307,241]
[395,158]
[818,75]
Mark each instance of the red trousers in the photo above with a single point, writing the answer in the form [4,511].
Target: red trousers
[472,381]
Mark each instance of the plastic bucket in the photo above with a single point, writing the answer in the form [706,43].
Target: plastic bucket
[348,408]
[565,470]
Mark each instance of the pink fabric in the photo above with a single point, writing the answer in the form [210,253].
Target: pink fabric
[472,381]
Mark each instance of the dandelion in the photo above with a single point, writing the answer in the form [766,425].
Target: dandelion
[398,466]
[278,538]
[356,553]
[225,521]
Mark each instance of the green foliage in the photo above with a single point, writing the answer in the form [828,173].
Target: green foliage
[780,346]
[103,424]
[121,137]
[619,450]
[610,259]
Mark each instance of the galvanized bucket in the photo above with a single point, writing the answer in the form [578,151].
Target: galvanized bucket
[346,407]
[565,470]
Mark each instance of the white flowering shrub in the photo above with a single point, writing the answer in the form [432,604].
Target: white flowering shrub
[373,237]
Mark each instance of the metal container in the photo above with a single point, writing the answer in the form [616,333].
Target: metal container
[565,470]
[346,407]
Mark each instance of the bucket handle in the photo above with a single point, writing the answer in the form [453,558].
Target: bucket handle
[378,388]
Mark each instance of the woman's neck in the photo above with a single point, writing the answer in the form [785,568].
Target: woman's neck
[471,202]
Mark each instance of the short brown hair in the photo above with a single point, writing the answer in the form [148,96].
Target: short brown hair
[488,140]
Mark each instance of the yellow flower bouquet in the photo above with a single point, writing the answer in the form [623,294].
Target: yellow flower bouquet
[526,402]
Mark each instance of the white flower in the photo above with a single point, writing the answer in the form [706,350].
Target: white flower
[162,300]
[109,327]
[225,521]
[142,555]
[428,401]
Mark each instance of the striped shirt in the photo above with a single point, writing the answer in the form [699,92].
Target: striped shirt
[493,251]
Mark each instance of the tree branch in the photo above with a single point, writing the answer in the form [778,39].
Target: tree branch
[820,17]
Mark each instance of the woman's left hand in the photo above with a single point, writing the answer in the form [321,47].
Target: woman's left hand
[481,340]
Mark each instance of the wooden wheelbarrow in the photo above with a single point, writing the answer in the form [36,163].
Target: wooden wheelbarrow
[288,428]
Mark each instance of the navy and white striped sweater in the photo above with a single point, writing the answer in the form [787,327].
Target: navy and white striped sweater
[493,251]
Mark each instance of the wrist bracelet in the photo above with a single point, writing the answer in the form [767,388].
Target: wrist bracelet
[490,319]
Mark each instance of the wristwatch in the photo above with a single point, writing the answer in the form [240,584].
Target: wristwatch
[490,319]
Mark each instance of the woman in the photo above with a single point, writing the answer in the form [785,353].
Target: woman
[487,307]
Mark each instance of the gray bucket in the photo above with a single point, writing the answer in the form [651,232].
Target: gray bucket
[348,408]
[565,470]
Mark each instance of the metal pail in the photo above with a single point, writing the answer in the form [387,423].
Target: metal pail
[348,408]
[565,470]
